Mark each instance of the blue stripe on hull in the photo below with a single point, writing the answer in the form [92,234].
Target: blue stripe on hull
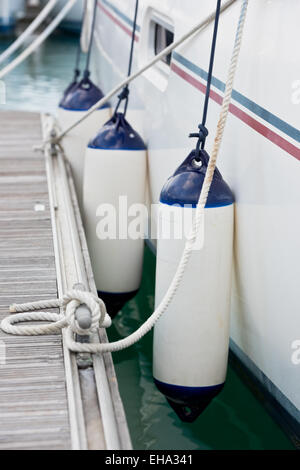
[241,99]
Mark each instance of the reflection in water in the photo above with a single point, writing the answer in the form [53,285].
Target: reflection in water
[38,83]
[235,420]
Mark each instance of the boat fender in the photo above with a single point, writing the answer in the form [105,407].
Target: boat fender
[191,339]
[115,166]
[77,100]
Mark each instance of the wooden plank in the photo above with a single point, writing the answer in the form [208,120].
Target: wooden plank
[33,399]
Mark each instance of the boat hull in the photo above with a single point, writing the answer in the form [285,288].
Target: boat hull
[259,158]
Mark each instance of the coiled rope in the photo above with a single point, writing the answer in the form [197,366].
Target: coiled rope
[169,296]
[28,31]
[38,41]
[69,303]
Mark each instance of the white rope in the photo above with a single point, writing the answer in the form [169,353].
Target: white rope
[37,42]
[132,77]
[28,31]
[70,302]
[7,324]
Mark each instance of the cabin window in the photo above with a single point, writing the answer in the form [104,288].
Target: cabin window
[157,34]
[163,37]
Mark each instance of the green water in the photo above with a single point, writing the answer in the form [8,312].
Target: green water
[235,420]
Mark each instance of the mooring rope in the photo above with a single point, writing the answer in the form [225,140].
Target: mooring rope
[74,346]
[69,303]
[38,41]
[28,31]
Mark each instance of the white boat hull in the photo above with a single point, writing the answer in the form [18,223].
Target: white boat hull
[259,157]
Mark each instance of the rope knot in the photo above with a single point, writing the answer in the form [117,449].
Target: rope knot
[124,93]
[86,75]
[98,317]
[202,134]
[73,299]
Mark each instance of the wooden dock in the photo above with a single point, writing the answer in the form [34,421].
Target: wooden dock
[46,400]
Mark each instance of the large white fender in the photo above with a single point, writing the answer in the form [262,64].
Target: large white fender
[78,99]
[114,181]
[191,339]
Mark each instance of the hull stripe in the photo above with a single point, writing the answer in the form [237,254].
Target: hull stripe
[115,20]
[243,100]
[250,121]
[261,112]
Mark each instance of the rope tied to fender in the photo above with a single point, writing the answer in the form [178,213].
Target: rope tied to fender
[69,303]
[124,95]
[86,72]
[203,131]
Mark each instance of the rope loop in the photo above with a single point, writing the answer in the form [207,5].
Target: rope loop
[69,303]
[124,93]
[86,75]
[73,299]
[201,135]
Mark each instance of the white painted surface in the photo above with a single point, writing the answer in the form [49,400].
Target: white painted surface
[117,263]
[191,339]
[76,141]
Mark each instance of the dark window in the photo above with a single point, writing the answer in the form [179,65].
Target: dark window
[162,39]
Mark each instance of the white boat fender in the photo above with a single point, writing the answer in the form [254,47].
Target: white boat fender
[191,339]
[77,100]
[115,166]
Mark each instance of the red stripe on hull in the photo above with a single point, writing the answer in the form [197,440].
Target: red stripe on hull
[115,20]
[239,113]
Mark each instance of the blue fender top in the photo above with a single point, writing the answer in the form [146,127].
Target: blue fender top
[81,96]
[184,187]
[117,134]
